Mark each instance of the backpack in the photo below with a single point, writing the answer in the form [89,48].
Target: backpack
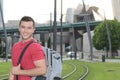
[53,63]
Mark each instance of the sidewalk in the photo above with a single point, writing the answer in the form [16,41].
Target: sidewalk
[100,60]
[4,60]
[96,60]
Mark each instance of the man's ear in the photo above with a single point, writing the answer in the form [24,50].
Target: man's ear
[33,30]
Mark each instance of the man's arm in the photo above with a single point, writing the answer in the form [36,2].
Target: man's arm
[11,76]
[40,69]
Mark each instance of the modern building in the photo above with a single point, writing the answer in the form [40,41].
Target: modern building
[116,9]
[109,12]
[96,13]
[1,4]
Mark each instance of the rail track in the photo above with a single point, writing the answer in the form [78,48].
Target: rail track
[75,69]
[86,72]
[69,74]
[5,78]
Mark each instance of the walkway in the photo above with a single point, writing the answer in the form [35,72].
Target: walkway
[100,60]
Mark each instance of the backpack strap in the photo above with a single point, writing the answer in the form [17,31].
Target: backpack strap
[22,53]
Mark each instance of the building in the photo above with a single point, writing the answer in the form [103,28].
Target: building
[116,9]
[100,13]
[1,4]
[96,13]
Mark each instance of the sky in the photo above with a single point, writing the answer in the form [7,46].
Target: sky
[40,9]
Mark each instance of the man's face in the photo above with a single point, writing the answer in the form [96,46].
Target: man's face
[26,29]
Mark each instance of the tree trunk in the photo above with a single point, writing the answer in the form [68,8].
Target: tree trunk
[114,53]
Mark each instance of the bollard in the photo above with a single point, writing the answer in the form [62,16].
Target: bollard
[103,58]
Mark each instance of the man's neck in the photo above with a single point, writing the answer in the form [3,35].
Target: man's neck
[25,40]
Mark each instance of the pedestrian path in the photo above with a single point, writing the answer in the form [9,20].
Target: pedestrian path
[96,60]
[100,60]
[4,60]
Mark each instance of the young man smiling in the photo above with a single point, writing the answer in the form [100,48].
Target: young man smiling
[33,61]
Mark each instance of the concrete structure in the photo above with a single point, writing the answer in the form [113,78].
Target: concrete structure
[1,1]
[70,15]
[116,9]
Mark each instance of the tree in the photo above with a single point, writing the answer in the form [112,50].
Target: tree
[100,40]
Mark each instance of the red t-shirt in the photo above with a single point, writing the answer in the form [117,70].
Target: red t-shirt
[34,52]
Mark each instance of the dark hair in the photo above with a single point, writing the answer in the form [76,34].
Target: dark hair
[27,18]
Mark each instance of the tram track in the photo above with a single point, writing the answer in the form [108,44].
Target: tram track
[4,78]
[82,77]
[75,69]
[86,72]
[69,74]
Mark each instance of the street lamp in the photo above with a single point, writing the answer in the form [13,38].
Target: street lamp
[54,27]
[108,34]
[5,33]
[88,29]
[50,30]
[61,42]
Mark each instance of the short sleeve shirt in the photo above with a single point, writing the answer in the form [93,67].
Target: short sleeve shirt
[33,53]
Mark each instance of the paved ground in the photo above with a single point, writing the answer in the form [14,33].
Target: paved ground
[100,60]
[4,60]
[96,60]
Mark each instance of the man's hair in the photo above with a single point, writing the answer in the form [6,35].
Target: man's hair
[27,18]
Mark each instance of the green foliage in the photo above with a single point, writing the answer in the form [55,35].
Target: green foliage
[100,39]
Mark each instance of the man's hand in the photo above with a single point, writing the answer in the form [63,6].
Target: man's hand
[16,70]
[11,76]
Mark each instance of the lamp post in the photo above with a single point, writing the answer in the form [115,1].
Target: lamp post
[5,33]
[108,34]
[50,30]
[54,27]
[61,42]
[88,29]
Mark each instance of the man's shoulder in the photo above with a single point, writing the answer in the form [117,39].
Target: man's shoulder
[35,44]
[16,43]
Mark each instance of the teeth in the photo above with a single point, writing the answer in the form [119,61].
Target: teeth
[24,34]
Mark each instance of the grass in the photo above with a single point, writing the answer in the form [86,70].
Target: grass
[98,70]
[68,68]
[4,69]
[103,71]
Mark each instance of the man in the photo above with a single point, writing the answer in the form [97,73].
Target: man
[33,61]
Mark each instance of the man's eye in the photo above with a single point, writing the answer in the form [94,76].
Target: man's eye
[29,27]
[22,26]
[26,27]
